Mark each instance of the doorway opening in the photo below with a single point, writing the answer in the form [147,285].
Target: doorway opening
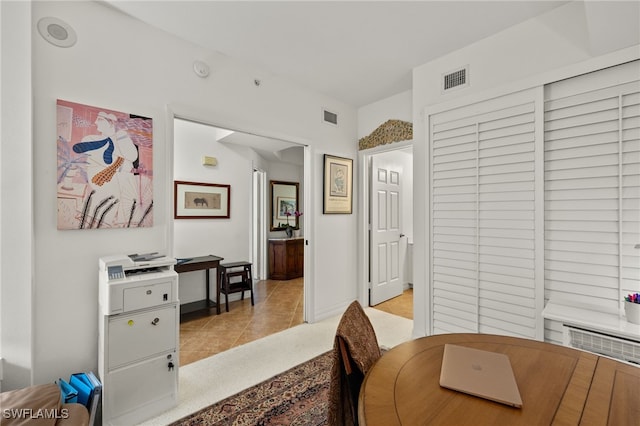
[246,162]
[386,266]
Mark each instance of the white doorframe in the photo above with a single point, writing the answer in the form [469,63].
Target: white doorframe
[364,196]
[309,264]
[259,226]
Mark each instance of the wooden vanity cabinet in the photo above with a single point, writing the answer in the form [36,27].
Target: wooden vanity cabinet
[286,258]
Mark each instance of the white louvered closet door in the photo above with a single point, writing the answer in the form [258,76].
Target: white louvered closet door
[483,239]
[592,187]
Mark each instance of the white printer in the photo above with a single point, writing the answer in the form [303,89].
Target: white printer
[138,347]
[129,282]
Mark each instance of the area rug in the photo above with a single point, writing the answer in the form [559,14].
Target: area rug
[297,397]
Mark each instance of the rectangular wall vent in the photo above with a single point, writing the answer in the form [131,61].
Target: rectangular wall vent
[329,117]
[458,78]
[603,344]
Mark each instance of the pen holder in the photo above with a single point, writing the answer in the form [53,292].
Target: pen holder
[632,312]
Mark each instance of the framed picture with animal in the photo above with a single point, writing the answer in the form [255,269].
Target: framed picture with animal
[198,200]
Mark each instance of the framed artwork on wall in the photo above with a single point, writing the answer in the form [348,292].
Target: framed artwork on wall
[197,200]
[286,207]
[105,168]
[338,185]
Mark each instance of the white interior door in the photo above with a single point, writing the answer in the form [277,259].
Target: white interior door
[386,218]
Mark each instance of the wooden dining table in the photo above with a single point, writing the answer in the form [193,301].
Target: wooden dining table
[558,386]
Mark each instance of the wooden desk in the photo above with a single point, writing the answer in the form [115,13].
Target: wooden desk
[558,385]
[197,264]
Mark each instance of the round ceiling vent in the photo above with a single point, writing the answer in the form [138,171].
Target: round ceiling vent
[57,32]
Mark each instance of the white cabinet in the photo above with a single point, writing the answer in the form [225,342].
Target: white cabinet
[138,347]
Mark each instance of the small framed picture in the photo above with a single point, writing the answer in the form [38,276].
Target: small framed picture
[197,200]
[338,185]
[286,207]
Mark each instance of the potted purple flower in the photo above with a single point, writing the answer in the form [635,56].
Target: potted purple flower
[289,229]
[632,308]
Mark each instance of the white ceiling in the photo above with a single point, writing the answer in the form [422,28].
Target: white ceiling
[358,52]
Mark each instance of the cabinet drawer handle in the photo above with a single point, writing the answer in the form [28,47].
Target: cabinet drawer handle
[155,321]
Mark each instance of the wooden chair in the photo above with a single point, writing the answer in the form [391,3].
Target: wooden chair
[355,351]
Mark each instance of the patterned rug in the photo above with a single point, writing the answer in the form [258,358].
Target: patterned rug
[298,396]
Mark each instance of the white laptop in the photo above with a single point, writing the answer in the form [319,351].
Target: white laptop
[480,373]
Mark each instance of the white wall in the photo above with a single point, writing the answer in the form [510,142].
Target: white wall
[396,107]
[119,63]
[227,238]
[16,195]
[535,52]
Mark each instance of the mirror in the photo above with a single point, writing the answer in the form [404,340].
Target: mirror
[284,198]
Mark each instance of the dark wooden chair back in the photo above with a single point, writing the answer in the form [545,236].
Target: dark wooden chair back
[355,350]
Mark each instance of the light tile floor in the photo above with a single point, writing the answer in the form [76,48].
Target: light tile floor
[278,306]
[401,305]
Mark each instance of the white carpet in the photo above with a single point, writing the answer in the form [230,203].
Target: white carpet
[207,381]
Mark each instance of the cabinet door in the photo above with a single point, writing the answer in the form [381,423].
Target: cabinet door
[142,334]
[277,260]
[286,259]
[139,391]
[291,258]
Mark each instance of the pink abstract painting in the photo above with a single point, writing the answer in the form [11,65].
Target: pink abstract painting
[105,168]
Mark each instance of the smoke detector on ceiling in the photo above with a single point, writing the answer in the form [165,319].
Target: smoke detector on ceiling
[57,32]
